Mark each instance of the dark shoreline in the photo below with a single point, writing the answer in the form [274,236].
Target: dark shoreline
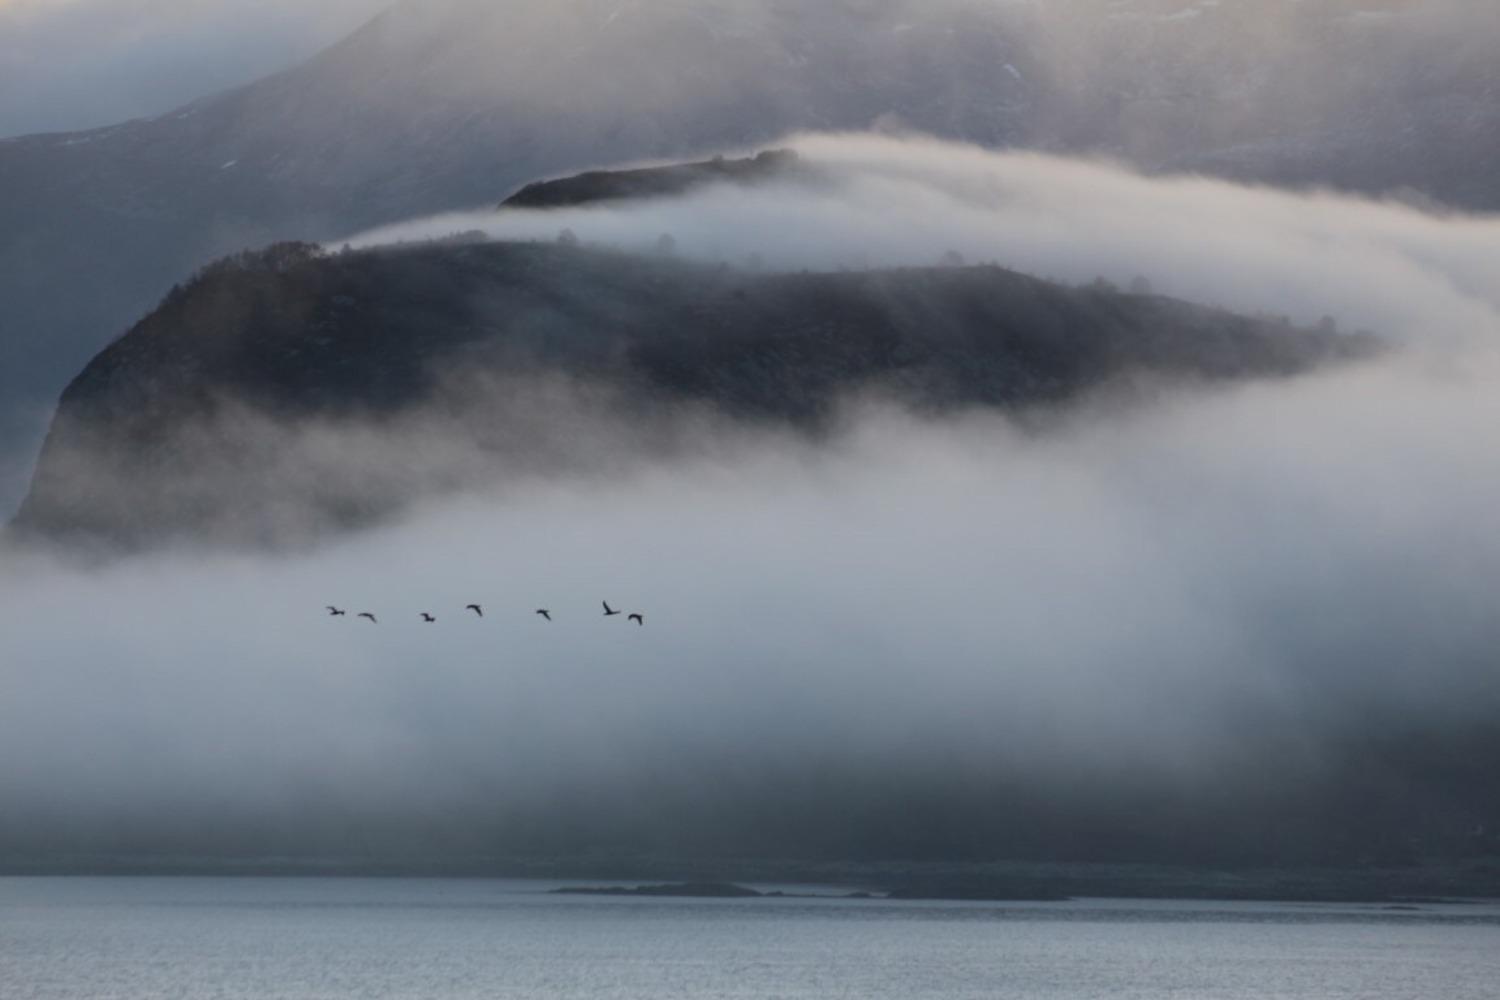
[1474,881]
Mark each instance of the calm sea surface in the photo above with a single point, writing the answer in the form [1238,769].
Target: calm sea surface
[227,939]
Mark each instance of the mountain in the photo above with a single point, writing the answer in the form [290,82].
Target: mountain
[1373,96]
[597,187]
[441,104]
[288,394]
[428,107]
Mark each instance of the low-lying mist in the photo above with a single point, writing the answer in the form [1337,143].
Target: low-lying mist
[1224,601]
[882,201]
[1249,621]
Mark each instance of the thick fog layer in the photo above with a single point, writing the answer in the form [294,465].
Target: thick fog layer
[1223,593]
[1219,598]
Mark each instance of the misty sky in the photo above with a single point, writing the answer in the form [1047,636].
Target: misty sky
[75,64]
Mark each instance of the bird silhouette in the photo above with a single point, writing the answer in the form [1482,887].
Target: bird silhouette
[609,611]
[638,619]
[366,614]
[426,617]
[476,609]
[334,612]
[544,613]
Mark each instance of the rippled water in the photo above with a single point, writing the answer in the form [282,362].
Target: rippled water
[226,939]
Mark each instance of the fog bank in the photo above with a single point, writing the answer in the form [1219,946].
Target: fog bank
[1230,598]
[1256,618]
[882,201]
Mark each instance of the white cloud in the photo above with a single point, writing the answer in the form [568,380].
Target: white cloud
[1216,583]
[1399,270]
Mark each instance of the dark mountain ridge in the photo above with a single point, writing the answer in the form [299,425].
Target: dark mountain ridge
[601,186]
[187,428]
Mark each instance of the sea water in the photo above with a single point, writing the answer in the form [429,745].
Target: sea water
[235,939]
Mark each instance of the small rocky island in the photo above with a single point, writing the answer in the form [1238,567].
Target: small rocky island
[696,890]
[978,894]
[729,890]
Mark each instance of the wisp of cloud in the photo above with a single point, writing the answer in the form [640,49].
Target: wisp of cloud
[883,201]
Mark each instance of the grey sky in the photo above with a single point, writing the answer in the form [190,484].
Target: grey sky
[75,64]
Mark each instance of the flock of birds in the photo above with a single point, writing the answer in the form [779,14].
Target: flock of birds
[430,618]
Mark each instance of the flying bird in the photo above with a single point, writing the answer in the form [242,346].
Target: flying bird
[334,612]
[476,609]
[544,613]
[366,614]
[638,619]
[608,611]
[426,617]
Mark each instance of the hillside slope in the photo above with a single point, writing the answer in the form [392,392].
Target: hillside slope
[285,394]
